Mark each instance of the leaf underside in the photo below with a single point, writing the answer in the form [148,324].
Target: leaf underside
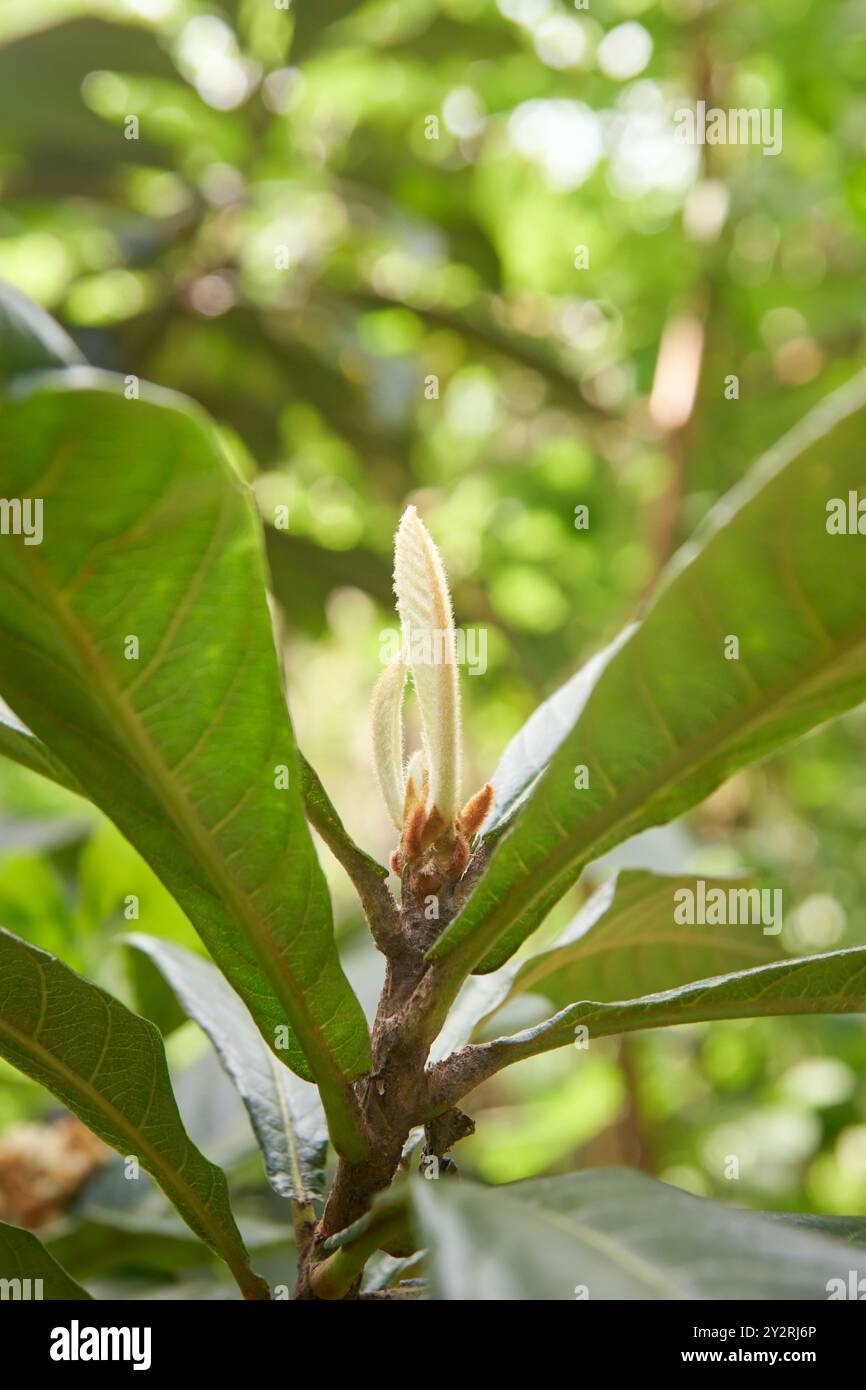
[285,1112]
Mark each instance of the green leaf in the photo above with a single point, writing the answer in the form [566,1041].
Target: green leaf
[368,877]
[623,943]
[30,340]
[131,1226]
[92,1249]
[834,983]
[850,1229]
[21,746]
[23,1257]
[286,1114]
[670,717]
[615,1234]
[95,1248]
[322,815]
[108,1066]
[530,750]
[183,746]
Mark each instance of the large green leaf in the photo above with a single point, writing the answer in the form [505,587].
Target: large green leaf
[615,1234]
[184,746]
[286,1114]
[834,983]
[24,1258]
[20,745]
[670,717]
[108,1066]
[624,942]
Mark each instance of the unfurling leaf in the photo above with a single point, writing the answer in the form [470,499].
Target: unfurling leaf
[424,605]
[417,786]
[387,730]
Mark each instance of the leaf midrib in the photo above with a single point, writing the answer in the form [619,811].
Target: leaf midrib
[292,1150]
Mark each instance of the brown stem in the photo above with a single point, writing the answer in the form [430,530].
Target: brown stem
[396,1096]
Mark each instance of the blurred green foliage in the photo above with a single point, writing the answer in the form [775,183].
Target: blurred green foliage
[352,231]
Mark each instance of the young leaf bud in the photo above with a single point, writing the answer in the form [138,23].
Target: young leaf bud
[424,605]
[387,729]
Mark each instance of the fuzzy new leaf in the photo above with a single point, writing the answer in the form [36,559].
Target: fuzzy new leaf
[386,723]
[424,605]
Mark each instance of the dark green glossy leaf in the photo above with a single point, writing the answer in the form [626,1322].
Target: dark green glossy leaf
[615,1234]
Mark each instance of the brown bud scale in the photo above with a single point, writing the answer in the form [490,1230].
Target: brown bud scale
[475,811]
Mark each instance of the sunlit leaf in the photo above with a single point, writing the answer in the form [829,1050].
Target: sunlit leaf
[678,708]
[136,643]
